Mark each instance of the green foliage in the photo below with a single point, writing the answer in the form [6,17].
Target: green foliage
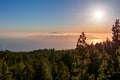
[91,77]
[84,63]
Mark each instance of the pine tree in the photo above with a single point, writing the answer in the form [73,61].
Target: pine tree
[117,62]
[116,33]
[80,60]
[116,40]
[27,71]
[43,70]
[5,74]
[81,41]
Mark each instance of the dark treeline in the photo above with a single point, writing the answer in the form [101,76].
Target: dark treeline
[100,61]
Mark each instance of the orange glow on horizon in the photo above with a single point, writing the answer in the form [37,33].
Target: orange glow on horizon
[94,41]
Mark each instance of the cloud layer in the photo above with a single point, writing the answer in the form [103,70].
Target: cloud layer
[29,41]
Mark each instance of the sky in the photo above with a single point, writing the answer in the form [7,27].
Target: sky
[29,24]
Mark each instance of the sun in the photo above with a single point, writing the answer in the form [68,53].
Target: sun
[98,15]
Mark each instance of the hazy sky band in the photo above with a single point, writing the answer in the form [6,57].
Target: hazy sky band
[33,41]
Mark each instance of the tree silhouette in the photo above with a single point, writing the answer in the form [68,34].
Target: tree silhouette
[81,41]
[82,59]
[116,33]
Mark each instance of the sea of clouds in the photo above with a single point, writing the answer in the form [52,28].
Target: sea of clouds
[25,41]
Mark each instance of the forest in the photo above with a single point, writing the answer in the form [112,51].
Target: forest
[100,61]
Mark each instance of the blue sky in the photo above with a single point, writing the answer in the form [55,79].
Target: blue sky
[34,13]
[52,15]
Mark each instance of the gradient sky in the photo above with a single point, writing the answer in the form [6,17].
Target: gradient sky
[56,15]
[22,19]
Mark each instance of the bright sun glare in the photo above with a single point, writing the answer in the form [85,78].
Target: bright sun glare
[98,15]
[94,41]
